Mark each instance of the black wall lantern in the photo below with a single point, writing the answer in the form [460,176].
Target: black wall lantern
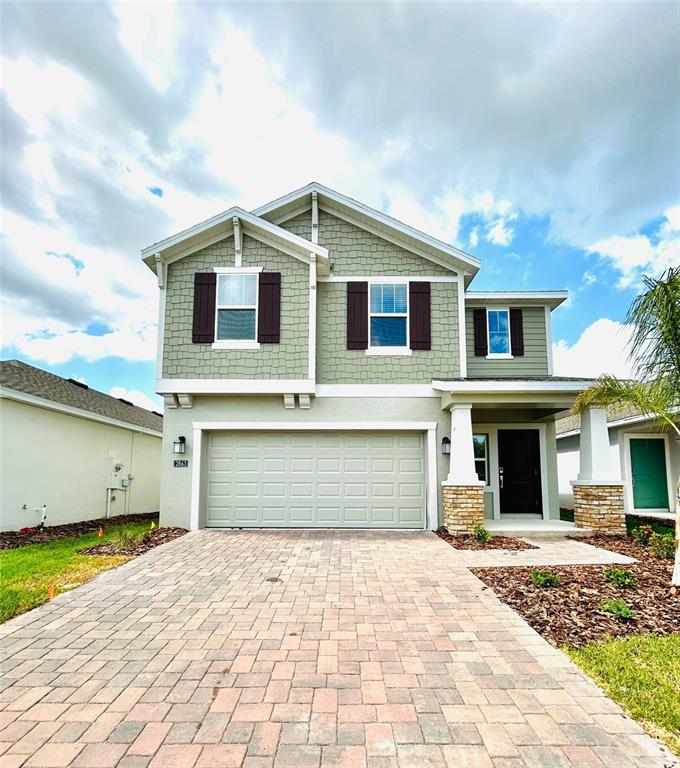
[446,446]
[179,446]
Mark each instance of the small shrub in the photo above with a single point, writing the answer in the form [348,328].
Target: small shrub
[662,545]
[545,578]
[642,534]
[620,577]
[125,537]
[619,609]
[480,533]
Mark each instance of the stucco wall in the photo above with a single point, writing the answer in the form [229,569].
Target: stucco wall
[64,461]
[534,362]
[286,360]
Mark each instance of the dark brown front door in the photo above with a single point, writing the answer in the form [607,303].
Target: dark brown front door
[519,470]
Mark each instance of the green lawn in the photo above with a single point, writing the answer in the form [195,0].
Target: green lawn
[642,674]
[26,573]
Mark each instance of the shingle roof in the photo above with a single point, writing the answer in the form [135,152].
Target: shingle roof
[33,381]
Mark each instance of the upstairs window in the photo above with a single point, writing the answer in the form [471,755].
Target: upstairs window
[236,308]
[388,313]
[498,324]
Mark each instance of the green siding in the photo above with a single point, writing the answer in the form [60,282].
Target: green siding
[534,362]
[300,225]
[287,360]
[338,365]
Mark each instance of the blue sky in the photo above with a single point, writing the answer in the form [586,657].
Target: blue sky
[519,132]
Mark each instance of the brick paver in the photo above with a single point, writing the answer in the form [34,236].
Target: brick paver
[317,648]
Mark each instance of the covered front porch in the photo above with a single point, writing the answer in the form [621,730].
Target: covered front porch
[503,458]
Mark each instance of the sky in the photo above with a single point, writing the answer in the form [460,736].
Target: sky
[542,138]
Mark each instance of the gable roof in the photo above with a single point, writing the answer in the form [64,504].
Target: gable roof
[20,377]
[372,220]
[218,227]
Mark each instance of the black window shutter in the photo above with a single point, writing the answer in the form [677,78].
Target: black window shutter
[205,288]
[357,315]
[516,332]
[419,315]
[481,345]
[269,308]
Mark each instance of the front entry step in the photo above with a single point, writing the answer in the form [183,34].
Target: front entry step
[535,529]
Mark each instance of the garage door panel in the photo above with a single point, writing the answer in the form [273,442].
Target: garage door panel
[315,479]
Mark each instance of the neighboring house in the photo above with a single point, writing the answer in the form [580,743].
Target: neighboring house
[328,366]
[645,458]
[79,452]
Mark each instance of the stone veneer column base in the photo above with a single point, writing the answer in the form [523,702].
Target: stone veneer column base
[463,507]
[599,507]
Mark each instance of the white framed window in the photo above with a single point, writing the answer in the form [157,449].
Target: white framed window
[480,444]
[498,332]
[388,319]
[236,311]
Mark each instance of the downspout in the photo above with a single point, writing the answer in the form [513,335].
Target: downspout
[108,502]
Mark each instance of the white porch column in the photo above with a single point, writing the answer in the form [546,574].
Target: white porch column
[462,467]
[595,454]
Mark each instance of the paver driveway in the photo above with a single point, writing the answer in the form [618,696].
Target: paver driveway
[319,648]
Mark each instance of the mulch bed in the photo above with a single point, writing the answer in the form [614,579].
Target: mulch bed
[465,541]
[151,539]
[14,539]
[570,613]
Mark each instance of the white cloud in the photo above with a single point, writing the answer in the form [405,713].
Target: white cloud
[633,255]
[138,398]
[499,234]
[601,348]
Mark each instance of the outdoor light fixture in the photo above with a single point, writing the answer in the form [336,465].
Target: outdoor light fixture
[179,446]
[446,446]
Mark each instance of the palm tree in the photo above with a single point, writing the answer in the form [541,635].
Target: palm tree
[655,353]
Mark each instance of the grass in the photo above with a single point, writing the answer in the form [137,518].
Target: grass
[642,674]
[27,573]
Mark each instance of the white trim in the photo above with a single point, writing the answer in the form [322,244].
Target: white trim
[236,344]
[430,428]
[197,458]
[311,321]
[204,243]
[237,242]
[160,332]
[388,351]
[315,217]
[548,339]
[387,278]
[317,426]
[627,471]
[462,329]
[234,386]
[340,200]
[375,390]
[494,485]
[505,386]
[550,298]
[500,356]
[237,270]
[41,402]
[291,214]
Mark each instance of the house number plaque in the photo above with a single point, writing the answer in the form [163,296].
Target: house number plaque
[181,462]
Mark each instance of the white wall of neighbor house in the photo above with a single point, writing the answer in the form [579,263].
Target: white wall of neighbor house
[64,461]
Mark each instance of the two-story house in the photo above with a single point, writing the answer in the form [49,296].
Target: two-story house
[324,365]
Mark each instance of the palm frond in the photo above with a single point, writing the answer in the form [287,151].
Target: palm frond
[655,318]
[655,399]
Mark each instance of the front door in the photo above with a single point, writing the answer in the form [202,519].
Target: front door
[519,472]
[648,470]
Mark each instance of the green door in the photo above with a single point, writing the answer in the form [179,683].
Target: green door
[648,465]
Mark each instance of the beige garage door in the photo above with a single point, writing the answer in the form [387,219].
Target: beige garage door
[315,480]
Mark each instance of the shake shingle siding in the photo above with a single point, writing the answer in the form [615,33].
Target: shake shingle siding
[286,360]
